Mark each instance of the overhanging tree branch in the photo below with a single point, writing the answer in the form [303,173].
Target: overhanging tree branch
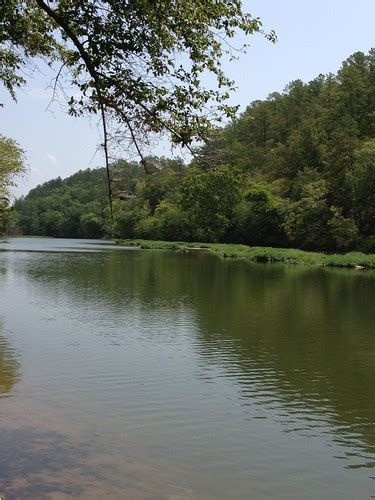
[91,69]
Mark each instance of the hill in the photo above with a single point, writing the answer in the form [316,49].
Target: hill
[73,207]
[294,170]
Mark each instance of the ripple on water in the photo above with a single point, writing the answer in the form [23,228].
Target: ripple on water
[183,377]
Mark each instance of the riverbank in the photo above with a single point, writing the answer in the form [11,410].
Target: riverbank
[262,254]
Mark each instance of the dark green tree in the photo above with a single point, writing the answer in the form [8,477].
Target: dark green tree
[361,180]
[258,219]
[211,199]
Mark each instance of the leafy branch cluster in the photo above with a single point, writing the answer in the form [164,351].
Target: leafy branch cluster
[11,165]
[142,60]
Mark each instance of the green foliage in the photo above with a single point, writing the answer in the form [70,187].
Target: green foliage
[127,216]
[343,230]
[211,198]
[258,218]
[305,220]
[313,145]
[11,165]
[143,61]
[297,169]
[169,222]
[361,180]
[91,225]
[261,254]
[74,207]
[25,32]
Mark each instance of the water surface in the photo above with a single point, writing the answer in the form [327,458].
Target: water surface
[157,375]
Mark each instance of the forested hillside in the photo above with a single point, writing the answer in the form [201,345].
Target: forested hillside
[73,207]
[297,169]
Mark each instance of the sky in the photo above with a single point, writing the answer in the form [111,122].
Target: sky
[314,37]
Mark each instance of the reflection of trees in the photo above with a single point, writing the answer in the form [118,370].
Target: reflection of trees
[308,335]
[9,366]
[114,278]
[305,333]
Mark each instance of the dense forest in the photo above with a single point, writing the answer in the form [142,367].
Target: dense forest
[295,170]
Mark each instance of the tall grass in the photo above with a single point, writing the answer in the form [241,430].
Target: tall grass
[262,254]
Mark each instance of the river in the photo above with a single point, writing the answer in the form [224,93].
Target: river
[136,374]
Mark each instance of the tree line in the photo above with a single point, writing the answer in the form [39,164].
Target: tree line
[294,170]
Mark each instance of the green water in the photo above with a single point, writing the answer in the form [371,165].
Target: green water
[157,375]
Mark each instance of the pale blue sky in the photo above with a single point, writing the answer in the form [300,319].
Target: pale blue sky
[314,36]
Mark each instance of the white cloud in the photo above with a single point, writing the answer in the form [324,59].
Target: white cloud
[51,158]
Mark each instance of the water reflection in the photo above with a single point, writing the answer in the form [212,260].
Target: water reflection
[307,335]
[304,334]
[9,366]
[294,346]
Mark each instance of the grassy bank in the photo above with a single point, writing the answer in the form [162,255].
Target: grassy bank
[262,254]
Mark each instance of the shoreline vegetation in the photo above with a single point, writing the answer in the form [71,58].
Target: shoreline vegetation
[356,260]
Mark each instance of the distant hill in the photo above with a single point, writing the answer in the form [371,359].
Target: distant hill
[73,207]
[77,207]
[294,170]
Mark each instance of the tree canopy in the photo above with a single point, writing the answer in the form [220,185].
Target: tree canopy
[11,165]
[139,61]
